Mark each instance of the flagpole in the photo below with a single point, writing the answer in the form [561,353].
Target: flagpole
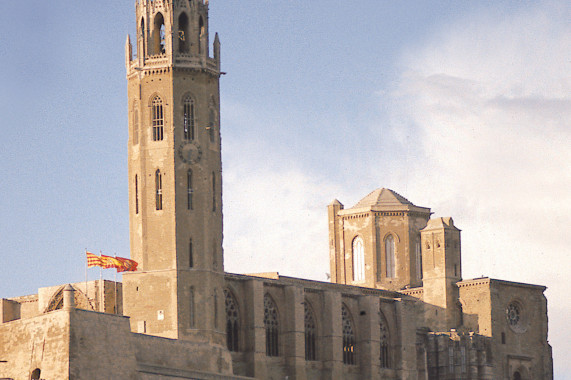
[115,277]
[100,287]
[86,289]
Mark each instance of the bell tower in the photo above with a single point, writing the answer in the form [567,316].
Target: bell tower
[175,182]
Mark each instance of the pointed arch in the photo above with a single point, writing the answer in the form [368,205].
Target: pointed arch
[271,325]
[310,332]
[384,341]
[358,254]
[159,34]
[349,340]
[201,31]
[232,321]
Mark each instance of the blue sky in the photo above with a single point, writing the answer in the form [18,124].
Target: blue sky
[461,106]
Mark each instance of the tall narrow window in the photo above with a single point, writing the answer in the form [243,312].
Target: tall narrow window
[348,337]
[200,33]
[182,33]
[215,308]
[191,308]
[159,35]
[188,118]
[157,120]
[135,125]
[271,325]
[211,124]
[158,190]
[418,256]
[190,254]
[310,332]
[358,260]
[390,255]
[189,190]
[143,39]
[232,321]
[213,192]
[136,194]
[384,342]
[450,359]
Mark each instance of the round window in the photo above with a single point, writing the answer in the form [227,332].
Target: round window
[515,317]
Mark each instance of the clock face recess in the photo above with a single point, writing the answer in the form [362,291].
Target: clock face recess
[190,152]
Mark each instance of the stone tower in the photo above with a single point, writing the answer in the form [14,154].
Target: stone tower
[442,269]
[376,243]
[175,182]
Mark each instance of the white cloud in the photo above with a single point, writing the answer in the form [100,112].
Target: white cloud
[490,98]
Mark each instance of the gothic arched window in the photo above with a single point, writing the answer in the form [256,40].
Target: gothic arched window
[183,33]
[310,332]
[271,324]
[348,337]
[157,118]
[390,255]
[189,190]
[358,260]
[188,118]
[385,339]
[158,190]
[232,321]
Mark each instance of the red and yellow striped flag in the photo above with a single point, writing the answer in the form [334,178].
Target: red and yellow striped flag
[93,260]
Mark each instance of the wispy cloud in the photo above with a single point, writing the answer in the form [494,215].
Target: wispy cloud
[490,98]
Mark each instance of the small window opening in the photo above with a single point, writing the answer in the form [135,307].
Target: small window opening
[190,254]
[189,190]
[158,190]
[211,125]
[36,374]
[213,192]
[136,194]
[503,338]
[191,308]
[517,375]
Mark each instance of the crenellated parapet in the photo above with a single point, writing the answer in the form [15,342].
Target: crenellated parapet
[172,34]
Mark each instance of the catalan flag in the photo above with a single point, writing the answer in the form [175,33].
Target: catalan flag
[93,260]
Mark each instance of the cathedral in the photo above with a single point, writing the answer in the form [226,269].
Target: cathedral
[397,306]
